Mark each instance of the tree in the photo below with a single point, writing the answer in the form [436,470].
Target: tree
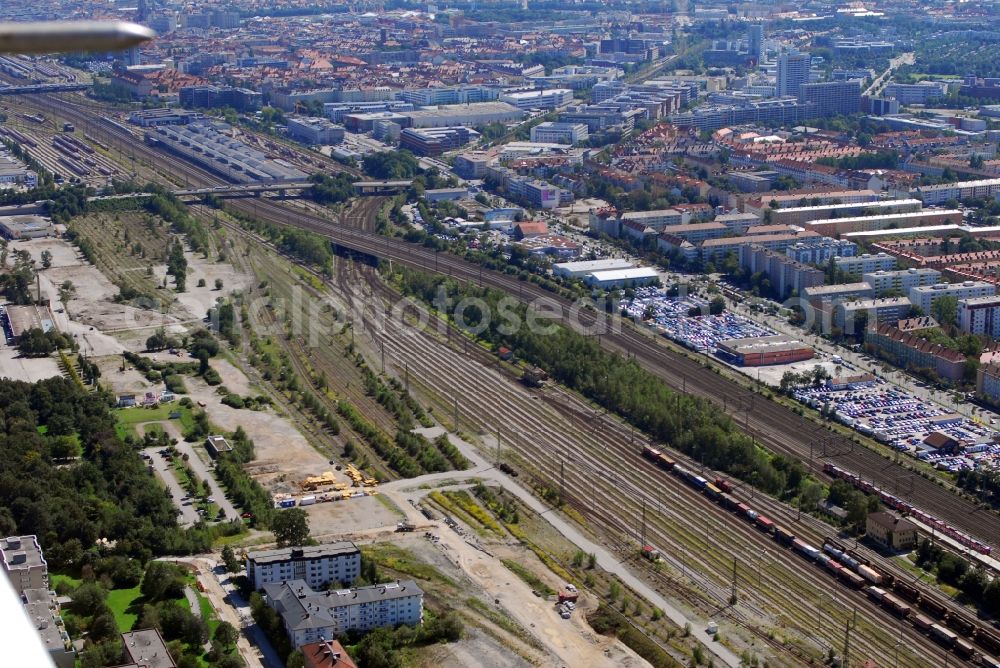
[290,527]
[66,292]
[46,259]
[233,564]
[162,581]
[717,305]
[226,634]
[218,284]
[945,309]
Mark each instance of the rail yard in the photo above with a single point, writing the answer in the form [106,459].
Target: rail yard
[590,462]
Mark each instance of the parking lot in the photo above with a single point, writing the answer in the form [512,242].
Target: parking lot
[670,316]
[902,421]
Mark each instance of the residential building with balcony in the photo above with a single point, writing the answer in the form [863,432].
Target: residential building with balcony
[317,565]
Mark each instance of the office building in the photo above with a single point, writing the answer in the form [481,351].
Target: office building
[317,565]
[311,616]
[314,131]
[552,98]
[755,43]
[469,115]
[901,281]
[918,93]
[435,141]
[23,563]
[429,97]
[980,315]
[793,71]
[559,133]
[924,296]
[866,263]
[218,97]
[831,98]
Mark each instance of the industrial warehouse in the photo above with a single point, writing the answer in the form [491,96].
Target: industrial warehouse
[765,350]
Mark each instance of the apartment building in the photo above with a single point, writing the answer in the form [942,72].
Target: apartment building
[828,294]
[832,98]
[980,315]
[23,563]
[907,350]
[988,380]
[738,222]
[786,275]
[924,296]
[310,616]
[799,215]
[658,219]
[939,194]
[865,263]
[819,251]
[891,221]
[892,309]
[719,248]
[696,232]
[559,133]
[901,280]
[317,566]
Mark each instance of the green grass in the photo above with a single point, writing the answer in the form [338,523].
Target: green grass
[126,419]
[530,578]
[402,561]
[125,605]
[154,429]
[57,578]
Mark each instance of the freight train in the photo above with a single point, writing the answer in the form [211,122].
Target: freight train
[949,629]
[906,508]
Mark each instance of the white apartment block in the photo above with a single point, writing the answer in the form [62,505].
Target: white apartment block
[923,297]
[559,133]
[939,194]
[317,566]
[23,563]
[901,280]
[310,616]
[657,219]
[980,315]
[865,263]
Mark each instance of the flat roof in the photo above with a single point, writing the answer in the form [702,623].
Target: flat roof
[900,231]
[147,648]
[980,301]
[21,545]
[815,290]
[23,318]
[631,215]
[879,203]
[308,552]
[625,274]
[960,184]
[605,264]
[876,303]
[776,342]
[888,216]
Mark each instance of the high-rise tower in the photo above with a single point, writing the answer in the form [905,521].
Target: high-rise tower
[793,71]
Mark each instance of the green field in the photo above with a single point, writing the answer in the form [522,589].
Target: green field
[126,419]
[125,605]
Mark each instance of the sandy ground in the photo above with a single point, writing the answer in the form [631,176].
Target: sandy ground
[197,301]
[64,254]
[26,369]
[350,515]
[122,382]
[89,282]
[569,642]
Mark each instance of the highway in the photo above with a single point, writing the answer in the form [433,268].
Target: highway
[775,426]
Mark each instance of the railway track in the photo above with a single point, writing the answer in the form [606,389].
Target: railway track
[776,426]
[563,440]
